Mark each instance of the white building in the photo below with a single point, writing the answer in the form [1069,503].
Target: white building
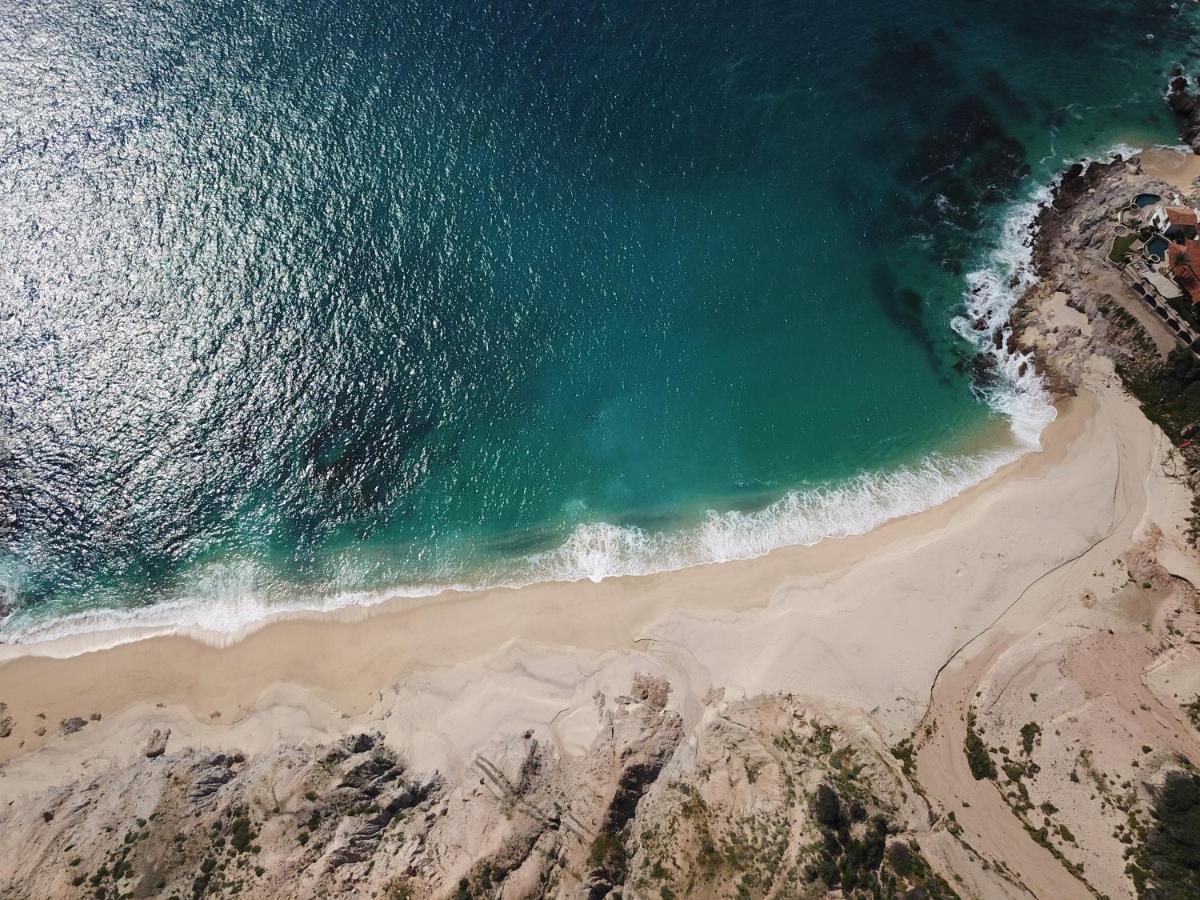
[1175,221]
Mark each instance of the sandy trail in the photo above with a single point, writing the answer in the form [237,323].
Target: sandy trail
[988,822]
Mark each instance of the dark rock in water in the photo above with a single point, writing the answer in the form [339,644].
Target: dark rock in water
[902,305]
[1181,102]
[157,744]
[95,717]
[983,370]
[72,725]
[1186,105]
[995,84]
[6,721]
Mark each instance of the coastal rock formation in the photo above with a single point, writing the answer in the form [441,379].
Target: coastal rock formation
[72,725]
[1186,105]
[764,797]
[1073,236]
[156,744]
[212,771]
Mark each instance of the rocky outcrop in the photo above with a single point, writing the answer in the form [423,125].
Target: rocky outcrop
[1071,237]
[1186,105]
[357,837]
[653,807]
[156,744]
[641,762]
[212,771]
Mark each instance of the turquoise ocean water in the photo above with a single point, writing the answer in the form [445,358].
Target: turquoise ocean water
[306,303]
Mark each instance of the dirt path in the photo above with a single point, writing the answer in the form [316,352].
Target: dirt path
[989,825]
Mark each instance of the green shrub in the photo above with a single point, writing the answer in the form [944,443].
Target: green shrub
[1168,861]
[977,756]
[1029,734]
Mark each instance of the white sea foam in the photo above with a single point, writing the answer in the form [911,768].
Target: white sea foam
[226,604]
[801,518]
[1019,391]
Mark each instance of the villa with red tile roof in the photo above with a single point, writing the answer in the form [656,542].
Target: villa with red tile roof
[1176,221]
[1184,261]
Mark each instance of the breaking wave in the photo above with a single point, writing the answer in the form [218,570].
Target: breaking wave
[226,604]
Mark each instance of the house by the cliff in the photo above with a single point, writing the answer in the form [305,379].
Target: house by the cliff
[1184,260]
[1175,221]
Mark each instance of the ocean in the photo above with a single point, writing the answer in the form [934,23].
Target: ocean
[316,302]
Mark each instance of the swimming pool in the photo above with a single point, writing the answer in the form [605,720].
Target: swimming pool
[1158,247]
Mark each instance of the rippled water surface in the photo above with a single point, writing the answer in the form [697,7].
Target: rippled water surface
[306,299]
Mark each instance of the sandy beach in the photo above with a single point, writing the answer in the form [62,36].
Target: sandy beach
[834,621]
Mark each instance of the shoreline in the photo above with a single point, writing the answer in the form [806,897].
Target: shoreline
[539,736]
[980,455]
[394,640]
[1022,402]
[997,460]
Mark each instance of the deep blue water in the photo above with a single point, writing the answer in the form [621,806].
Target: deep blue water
[305,299]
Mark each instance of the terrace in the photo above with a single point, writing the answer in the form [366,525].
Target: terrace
[1155,247]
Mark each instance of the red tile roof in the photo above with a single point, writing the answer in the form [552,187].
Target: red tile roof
[1181,215]
[1185,266]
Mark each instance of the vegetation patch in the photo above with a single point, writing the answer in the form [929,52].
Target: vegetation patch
[1193,711]
[855,856]
[904,752]
[978,758]
[1030,733]
[1168,860]
[1121,245]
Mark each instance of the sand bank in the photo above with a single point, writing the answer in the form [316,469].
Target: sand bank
[861,623]
[1178,169]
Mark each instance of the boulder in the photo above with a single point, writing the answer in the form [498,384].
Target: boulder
[1186,105]
[157,744]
